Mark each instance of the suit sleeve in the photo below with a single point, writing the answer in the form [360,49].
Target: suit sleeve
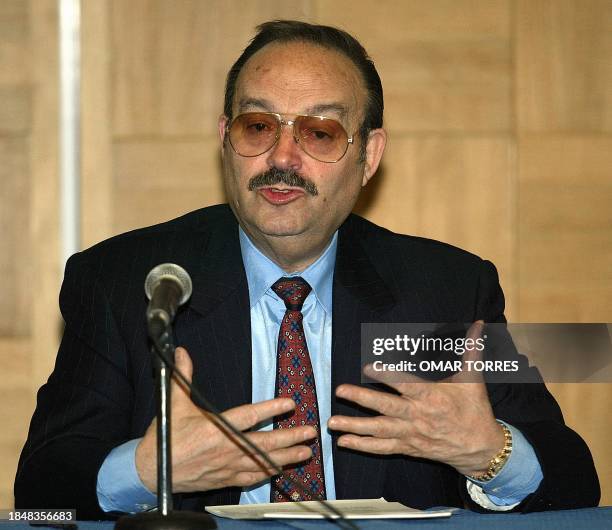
[84,409]
[569,476]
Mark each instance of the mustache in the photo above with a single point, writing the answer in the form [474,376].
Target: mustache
[278,176]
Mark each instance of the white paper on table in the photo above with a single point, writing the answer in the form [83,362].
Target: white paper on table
[350,509]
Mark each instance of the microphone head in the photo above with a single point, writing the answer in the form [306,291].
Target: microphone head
[172,272]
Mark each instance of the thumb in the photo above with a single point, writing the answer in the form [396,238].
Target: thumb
[472,353]
[184,365]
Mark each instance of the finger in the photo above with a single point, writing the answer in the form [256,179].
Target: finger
[382,402]
[409,385]
[280,458]
[183,364]
[369,444]
[244,479]
[380,426]
[246,416]
[255,470]
[282,438]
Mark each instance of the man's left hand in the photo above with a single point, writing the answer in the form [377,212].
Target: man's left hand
[450,421]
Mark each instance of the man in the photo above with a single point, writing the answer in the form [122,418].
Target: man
[301,134]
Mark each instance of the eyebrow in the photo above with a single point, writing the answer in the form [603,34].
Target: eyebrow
[325,108]
[320,109]
[249,103]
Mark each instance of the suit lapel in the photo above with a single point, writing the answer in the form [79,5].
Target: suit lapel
[359,296]
[217,326]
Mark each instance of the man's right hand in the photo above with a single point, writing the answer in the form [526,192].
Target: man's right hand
[204,457]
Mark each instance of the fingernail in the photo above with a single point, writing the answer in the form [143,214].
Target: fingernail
[309,433]
[368,370]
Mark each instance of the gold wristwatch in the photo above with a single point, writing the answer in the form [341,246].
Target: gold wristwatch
[499,460]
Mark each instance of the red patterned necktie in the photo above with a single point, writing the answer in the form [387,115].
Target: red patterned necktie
[295,379]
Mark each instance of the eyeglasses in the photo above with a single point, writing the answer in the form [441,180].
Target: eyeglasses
[254,133]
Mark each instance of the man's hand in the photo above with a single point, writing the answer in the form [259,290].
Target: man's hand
[451,422]
[204,457]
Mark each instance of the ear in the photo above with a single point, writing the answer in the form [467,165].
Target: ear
[222,125]
[377,139]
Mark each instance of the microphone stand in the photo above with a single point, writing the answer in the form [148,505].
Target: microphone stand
[165,518]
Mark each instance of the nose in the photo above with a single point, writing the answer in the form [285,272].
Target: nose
[286,153]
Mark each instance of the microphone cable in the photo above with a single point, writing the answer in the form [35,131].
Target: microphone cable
[164,347]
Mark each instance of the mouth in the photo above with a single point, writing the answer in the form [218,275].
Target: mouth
[280,195]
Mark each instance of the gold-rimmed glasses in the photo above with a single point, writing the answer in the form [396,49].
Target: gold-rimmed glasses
[254,133]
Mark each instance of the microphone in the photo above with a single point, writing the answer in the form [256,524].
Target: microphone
[167,286]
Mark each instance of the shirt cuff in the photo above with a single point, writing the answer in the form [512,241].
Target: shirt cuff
[119,487]
[520,476]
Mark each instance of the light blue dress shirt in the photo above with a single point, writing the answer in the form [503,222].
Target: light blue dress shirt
[119,488]
[267,311]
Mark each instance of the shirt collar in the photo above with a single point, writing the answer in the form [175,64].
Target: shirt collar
[262,272]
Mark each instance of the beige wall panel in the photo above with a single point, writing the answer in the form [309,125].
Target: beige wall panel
[96,141]
[391,198]
[15,360]
[16,397]
[14,245]
[580,208]
[44,164]
[564,72]
[144,208]
[565,280]
[9,455]
[14,110]
[156,180]
[581,304]
[16,406]
[28,216]
[566,159]
[14,29]
[170,59]
[418,20]
[457,189]
[445,65]
[153,164]
[586,409]
[14,18]
[565,228]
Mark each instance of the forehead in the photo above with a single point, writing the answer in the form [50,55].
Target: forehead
[299,78]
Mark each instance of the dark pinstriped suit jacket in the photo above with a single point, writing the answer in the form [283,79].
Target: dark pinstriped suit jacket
[100,393]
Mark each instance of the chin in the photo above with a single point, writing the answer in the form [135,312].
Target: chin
[281,227]
[281,231]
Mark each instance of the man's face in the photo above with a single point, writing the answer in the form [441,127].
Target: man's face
[293,79]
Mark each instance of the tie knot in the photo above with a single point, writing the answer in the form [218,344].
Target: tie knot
[292,291]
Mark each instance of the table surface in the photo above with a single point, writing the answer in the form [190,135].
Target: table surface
[587,519]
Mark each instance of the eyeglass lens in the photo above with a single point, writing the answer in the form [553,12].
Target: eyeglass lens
[254,133]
